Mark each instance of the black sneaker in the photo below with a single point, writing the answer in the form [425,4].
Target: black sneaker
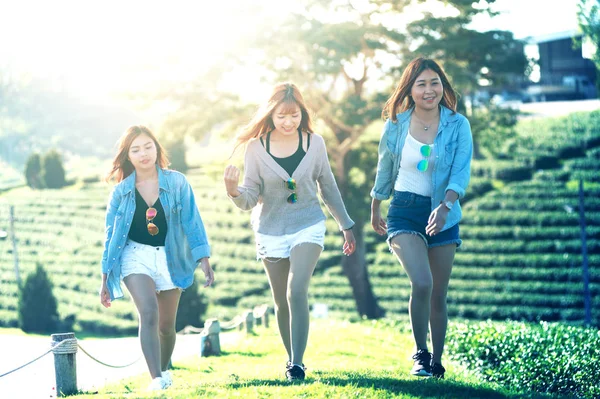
[293,372]
[422,364]
[437,370]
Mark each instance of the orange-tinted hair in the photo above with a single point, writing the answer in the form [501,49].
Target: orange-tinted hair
[122,167]
[262,122]
[401,100]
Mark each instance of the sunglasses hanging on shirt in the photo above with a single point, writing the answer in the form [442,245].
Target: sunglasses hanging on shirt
[150,215]
[290,184]
[424,163]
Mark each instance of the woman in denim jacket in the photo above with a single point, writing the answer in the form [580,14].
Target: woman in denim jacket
[424,162]
[155,239]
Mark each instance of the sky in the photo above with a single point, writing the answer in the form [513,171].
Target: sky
[99,48]
[531,18]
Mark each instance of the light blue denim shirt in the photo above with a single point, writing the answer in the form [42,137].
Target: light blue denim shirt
[452,166]
[186,242]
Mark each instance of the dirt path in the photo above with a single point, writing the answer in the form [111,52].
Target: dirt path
[37,380]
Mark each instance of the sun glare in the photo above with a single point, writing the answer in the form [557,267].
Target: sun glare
[108,48]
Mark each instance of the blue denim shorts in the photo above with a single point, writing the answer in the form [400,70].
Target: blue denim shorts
[409,213]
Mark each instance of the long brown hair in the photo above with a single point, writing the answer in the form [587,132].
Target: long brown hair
[401,99]
[262,122]
[122,167]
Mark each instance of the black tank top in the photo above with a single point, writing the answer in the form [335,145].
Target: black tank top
[139,227]
[289,164]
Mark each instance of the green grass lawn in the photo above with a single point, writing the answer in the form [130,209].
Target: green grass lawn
[344,360]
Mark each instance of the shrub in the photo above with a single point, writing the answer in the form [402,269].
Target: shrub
[33,171]
[544,357]
[53,171]
[176,150]
[38,310]
[477,188]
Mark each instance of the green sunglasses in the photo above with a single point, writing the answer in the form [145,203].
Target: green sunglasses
[424,163]
[290,184]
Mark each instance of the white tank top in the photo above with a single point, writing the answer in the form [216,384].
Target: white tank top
[409,177]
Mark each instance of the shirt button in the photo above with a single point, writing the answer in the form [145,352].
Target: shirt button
[118,247]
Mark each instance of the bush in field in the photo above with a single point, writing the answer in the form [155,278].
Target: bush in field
[33,171]
[38,311]
[492,128]
[192,307]
[545,357]
[176,152]
[53,171]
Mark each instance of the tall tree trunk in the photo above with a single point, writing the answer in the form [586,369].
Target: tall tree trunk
[355,269]
[355,265]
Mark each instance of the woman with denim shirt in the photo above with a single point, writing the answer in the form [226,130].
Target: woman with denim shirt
[285,167]
[155,239]
[424,162]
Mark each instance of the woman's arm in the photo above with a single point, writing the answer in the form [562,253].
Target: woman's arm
[379,225]
[383,179]
[114,200]
[331,194]
[460,172]
[193,226]
[245,196]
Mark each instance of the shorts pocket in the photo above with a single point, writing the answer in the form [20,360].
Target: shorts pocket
[402,201]
[130,251]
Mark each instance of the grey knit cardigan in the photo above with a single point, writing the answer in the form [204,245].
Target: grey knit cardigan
[264,185]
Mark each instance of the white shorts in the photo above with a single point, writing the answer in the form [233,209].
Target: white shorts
[268,246]
[145,259]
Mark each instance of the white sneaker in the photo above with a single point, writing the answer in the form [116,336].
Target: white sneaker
[166,375]
[158,384]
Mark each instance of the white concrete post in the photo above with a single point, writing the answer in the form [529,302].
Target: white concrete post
[65,368]
[248,321]
[210,343]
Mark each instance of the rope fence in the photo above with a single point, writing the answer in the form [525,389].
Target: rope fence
[64,347]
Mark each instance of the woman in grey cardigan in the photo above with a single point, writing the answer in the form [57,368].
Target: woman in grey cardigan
[285,165]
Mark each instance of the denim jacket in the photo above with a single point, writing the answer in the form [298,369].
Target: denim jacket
[452,166]
[186,242]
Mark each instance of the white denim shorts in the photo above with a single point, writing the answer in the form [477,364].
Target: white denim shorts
[145,259]
[268,246]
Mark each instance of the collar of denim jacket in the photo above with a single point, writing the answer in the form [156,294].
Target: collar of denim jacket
[446,115]
[129,182]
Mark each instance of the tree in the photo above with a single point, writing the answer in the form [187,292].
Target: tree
[53,171]
[33,171]
[176,151]
[348,68]
[192,307]
[347,56]
[38,310]
[589,22]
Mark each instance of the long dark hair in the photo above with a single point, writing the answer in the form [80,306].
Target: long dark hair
[401,100]
[122,167]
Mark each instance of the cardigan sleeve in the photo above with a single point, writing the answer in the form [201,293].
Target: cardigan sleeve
[330,193]
[252,186]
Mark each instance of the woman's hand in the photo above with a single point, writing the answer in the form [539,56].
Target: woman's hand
[349,243]
[437,220]
[379,225]
[232,179]
[104,295]
[209,274]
